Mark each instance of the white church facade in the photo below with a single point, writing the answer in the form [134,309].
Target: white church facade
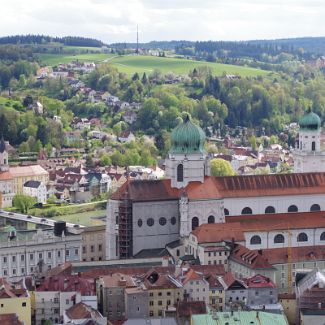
[147,214]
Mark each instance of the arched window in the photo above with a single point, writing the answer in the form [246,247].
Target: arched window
[226,211]
[211,219]
[278,239]
[292,208]
[313,146]
[195,222]
[256,240]
[315,207]
[302,237]
[322,236]
[270,209]
[246,210]
[180,173]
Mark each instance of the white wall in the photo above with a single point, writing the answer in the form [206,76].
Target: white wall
[280,203]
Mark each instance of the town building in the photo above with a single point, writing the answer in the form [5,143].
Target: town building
[57,294]
[37,190]
[15,299]
[22,174]
[30,252]
[6,178]
[93,243]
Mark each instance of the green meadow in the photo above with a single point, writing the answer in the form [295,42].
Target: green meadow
[131,64]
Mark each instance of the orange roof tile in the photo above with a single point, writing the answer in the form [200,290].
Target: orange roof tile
[226,187]
[5,176]
[218,232]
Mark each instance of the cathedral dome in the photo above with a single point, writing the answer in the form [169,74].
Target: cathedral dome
[310,121]
[187,138]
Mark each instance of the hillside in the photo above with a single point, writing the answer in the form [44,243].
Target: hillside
[131,64]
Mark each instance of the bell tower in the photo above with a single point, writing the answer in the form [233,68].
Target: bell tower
[186,161]
[308,156]
[4,159]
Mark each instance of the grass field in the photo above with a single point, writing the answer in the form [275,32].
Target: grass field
[84,218]
[131,64]
[140,64]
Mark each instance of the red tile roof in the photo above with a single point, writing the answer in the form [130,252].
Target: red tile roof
[226,187]
[299,254]
[5,176]
[278,221]
[68,284]
[218,232]
[259,281]
[251,259]
[83,311]
[10,319]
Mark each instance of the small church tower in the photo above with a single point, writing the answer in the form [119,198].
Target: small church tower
[307,155]
[186,161]
[4,159]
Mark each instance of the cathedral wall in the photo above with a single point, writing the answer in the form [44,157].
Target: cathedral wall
[202,209]
[111,230]
[165,227]
[309,163]
[280,203]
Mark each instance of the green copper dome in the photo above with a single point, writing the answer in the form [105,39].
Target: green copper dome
[187,138]
[310,121]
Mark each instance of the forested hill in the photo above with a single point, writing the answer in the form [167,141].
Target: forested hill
[41,39]
[309,44]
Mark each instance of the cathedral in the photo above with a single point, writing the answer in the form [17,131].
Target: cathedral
[145,214]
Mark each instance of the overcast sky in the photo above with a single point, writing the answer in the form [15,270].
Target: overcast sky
[116,20]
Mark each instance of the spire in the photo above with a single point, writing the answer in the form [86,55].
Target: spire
[137,50]
[2,145]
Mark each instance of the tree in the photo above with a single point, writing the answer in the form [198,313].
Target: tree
[23,202]
[221,167]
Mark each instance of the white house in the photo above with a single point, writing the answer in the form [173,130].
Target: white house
[36,189]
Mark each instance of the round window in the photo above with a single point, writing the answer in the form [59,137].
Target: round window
[150,222]
[140,222]
[162,221]
[173,220]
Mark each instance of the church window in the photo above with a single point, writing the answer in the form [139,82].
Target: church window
[211,219]
[140,223]
[302,237]
[315,207]
[256,240]
[162,221]
[278,239]
[247,210]
[313,146]
[150,222]
[173,221]
[300,145]
[292,208]
[226,211]
[195,222]
[270,209]
[322,236]
[180,173]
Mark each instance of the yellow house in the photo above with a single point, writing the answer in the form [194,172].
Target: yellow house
[22,174]
[15,299]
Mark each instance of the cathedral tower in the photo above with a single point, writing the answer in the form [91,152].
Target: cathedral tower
[308,156]
[186,161]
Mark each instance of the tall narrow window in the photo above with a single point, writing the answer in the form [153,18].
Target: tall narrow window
[180,173]
[211,219]
[313,146]
[195,222]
